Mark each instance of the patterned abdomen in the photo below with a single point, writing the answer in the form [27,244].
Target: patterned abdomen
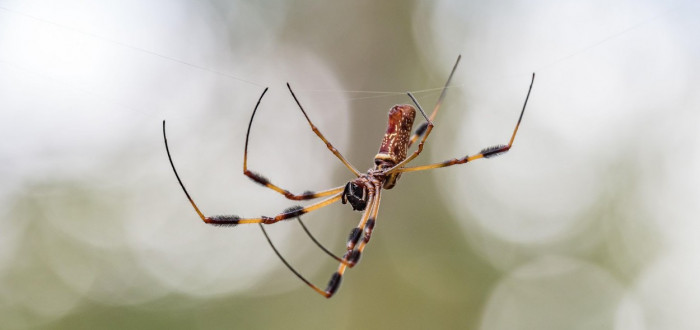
[398,133]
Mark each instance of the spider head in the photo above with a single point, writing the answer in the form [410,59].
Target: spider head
[356,195]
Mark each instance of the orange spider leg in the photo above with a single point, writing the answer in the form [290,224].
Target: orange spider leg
[265,182]
[328,144]
[484,153]
[232,220]
[421,129]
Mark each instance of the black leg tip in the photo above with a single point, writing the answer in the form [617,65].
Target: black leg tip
[224,220]
[294,211]
[354,257]
[333,284]
[494,151]
[421,129]
[258,178]
[354,237]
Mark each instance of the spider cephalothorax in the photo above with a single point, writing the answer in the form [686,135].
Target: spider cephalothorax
[364,191]
[356,195]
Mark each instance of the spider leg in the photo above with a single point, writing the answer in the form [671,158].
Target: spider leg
[335,279]
[264,181]
[318,133]
[422,128]
[292,212]
[425,128]
[356,232]
[484,153]
[367,225]
[233,220]
[306,230]
[353,257]
[279,255]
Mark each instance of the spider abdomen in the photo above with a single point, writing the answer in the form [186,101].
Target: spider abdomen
[395,142]
[398,134]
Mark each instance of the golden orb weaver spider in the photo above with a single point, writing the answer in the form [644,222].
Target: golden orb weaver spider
[362,193]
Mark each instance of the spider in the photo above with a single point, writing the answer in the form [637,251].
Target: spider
[364,192]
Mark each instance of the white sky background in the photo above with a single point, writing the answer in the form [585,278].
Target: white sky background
[84,87]
[83,95]
[617,82]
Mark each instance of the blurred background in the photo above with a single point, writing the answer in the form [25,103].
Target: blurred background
[590,222]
